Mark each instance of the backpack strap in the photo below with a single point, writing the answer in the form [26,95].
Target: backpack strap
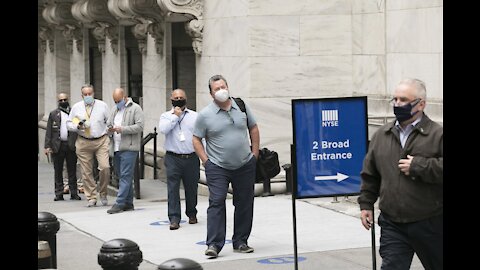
[241,105]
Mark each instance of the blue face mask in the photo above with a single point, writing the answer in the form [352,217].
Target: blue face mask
[121,104]
[88,99]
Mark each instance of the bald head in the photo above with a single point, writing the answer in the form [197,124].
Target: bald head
[61,96]
[179,93]
[179,98]
[118,94]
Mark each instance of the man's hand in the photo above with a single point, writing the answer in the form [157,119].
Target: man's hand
[48,151]
[404,164]
[115,129]
[177,111]
[367,218]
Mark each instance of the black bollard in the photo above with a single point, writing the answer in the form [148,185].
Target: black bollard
[48,226]
[44,255]
[120,254]
[180,263]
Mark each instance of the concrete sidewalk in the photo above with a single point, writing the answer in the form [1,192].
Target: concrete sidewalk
[329,235]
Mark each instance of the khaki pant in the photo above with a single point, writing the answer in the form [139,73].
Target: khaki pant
[86,151]
[65,176]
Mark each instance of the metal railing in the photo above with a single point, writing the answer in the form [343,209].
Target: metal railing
[140,166]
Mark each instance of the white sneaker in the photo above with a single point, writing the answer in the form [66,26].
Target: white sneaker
[92,203]
[104,200]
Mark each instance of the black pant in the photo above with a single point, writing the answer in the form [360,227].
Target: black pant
[64,153]
[399,241]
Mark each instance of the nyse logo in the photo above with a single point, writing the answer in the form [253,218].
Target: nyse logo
[329,118]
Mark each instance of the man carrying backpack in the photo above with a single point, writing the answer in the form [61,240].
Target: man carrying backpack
[228,159]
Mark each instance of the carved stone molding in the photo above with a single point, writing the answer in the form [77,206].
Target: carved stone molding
[191,11]
[58,13]
[194,29]
[131,12]
[190,8]
[95,14]
[72,32]
[140,32]
[103,31]
[46,35]
[157,32]
[147,17]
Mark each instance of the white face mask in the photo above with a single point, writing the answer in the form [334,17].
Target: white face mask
[221,95]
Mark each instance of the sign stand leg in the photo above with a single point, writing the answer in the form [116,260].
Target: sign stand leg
[374,252]
[294,231]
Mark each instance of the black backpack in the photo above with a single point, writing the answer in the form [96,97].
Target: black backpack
[268,165]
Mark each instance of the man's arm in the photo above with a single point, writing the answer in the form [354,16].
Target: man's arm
[48,134]
[255,140]
[198,146]
[167,122]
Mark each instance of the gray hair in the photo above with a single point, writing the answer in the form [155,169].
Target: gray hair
[419,86]
[86,86]
[215,78]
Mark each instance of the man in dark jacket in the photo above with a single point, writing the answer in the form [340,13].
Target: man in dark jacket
[404,169]
[60,143]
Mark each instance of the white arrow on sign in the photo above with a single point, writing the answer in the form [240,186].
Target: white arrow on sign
[339,177]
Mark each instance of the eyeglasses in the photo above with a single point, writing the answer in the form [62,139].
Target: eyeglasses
[403,101]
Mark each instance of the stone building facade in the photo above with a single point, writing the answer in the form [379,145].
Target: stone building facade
[270,51]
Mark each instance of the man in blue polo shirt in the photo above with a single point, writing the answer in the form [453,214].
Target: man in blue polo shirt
[228,159]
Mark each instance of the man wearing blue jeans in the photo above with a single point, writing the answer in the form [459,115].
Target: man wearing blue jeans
[228,159]
[125,125]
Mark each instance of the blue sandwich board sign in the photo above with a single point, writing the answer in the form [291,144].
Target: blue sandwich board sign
[330,141]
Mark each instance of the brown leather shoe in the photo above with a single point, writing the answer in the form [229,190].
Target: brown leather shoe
[192,220]
[174,225]
[66,190]
[80,189]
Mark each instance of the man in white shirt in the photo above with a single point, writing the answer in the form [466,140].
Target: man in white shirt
[181,161]
[89,119]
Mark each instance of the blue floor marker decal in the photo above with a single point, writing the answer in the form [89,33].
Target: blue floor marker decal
[281,260]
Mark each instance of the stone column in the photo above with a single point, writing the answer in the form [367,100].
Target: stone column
[114,69]
[156,85]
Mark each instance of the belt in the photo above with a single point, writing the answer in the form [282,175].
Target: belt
[91,139]
[181,155]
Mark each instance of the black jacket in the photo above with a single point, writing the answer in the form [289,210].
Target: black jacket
[404,198]
[52,135]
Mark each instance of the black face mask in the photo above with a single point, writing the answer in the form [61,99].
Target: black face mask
[404,113]
[179,103]
[63,104]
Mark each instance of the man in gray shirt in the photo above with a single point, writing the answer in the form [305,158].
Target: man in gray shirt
[228,159]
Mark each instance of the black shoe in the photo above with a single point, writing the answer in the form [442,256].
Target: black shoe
[128,207]
[58,198]
[243,248]
[75,197]
[115,209]
[192,220]
[212,251]
[174,225]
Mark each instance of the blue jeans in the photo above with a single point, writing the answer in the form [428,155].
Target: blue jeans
[186,170]
[124,165]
